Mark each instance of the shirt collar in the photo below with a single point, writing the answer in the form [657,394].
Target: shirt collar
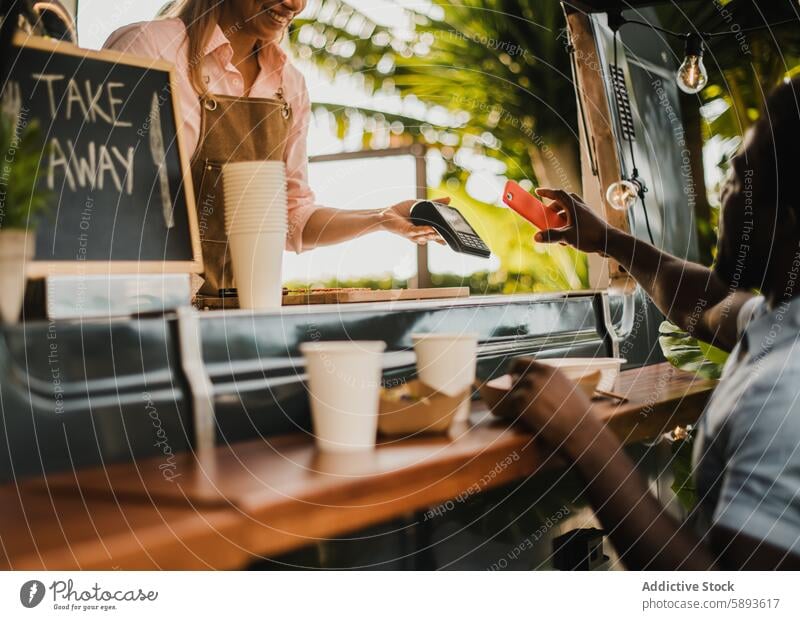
[270,57]
[772,326]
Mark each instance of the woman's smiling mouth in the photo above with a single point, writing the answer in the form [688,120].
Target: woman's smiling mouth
[279,18]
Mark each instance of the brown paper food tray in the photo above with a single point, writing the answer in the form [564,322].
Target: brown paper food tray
[432,412]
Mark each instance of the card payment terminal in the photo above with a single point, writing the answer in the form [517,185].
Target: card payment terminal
[451,225]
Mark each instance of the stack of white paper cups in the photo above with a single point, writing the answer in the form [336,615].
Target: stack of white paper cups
[256,222]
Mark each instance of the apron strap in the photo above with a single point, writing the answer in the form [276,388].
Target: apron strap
[286,109]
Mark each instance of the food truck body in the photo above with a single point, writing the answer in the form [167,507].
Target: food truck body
[105,391]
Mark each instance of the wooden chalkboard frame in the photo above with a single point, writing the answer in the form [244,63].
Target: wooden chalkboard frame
[42,269]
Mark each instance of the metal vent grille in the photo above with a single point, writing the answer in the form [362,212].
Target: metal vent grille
[623,103]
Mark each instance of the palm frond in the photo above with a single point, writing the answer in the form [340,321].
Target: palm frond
[501,62]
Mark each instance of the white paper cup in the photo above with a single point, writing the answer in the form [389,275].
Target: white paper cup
[254,186]
[245,180]
[257,268]
[268,170]
[256,226]
[344,380]
[242,193]
[256,223]
[264,210]
[273,207]
[447,363]
[252,230]
[250,218]
[270,212]
[267,218]
[255,199]
[256,165]
[263,214]
[265,167]
[256,219]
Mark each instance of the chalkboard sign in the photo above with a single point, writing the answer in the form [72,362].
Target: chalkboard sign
[114,166]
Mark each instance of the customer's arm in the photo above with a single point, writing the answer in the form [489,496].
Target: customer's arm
[689,294]
[644,535]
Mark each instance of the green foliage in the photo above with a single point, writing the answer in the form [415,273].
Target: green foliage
[688,353]
[382,283]
[682,473]
[21,200]
[525,266]
[499,67]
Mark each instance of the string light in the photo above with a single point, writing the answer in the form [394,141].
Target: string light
[692,75]
[622,195]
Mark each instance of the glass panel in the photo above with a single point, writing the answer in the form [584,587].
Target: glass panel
[368,183]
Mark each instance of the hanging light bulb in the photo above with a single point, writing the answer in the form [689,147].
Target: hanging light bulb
[622,195]
[692,75]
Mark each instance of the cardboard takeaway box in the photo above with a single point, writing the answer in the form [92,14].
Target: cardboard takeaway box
[415,408]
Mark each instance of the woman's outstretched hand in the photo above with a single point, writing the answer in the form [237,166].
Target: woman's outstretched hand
[585,230]
[397,220]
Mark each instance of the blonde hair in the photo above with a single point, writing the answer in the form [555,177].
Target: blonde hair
[200,18]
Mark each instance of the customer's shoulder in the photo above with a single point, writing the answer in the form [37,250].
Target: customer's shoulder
[156,38]
[751,309]
[770,396]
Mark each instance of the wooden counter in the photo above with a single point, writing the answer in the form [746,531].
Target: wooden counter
[265,497]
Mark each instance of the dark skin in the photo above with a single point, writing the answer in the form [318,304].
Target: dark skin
[643,534]
[700,300]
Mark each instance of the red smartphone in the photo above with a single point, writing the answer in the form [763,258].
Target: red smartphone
[531,208]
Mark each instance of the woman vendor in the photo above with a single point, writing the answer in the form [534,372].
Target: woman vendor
[242,100]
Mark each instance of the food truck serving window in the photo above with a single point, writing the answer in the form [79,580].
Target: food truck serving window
[371,180]
[366,182]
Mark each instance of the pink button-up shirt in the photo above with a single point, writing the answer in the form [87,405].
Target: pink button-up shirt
[165,39]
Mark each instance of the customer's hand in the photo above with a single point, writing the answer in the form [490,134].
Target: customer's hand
[397,220]
[585,230]
[551,405]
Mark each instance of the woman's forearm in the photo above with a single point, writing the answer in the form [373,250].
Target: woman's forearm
[330,226]
[644,536]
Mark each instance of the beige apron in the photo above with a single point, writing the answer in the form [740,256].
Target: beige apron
[232,129]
